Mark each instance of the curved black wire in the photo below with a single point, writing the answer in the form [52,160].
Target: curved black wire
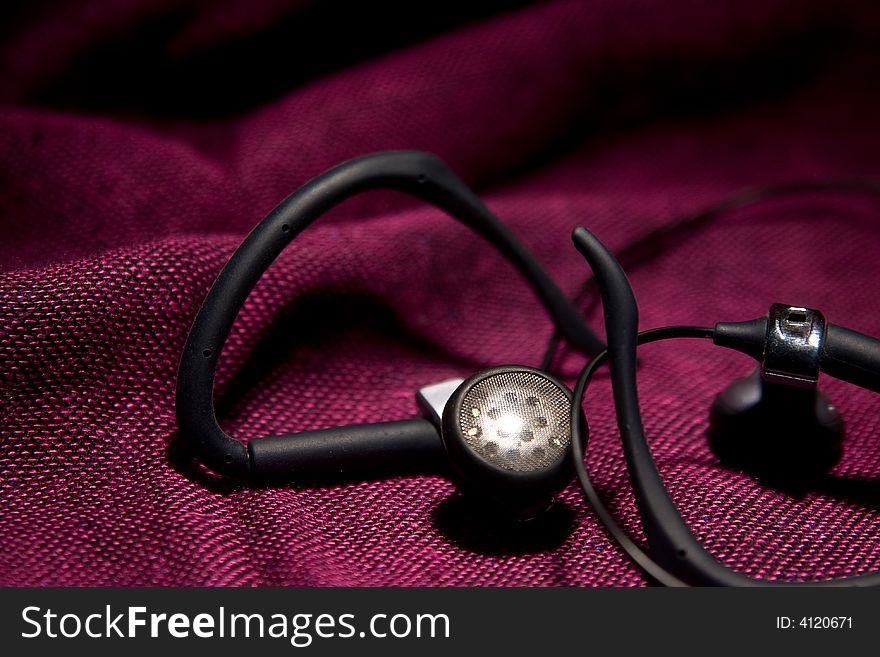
[579,442]
[653,242]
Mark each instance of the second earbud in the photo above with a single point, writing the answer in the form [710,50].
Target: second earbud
[775,423]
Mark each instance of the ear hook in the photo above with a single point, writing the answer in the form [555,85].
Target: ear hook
[673,545]
[419,174]
[621,325]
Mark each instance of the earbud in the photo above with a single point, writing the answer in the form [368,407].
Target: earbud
[775,431]
[507,434]
[775,423]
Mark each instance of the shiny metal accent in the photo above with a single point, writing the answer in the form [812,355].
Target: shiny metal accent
[793,346]
[432,398]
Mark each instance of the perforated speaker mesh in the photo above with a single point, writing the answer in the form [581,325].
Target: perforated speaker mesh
[517,420]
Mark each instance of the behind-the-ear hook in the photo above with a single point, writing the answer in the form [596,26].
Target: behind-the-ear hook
[421,175]
[672,543]
[621,327]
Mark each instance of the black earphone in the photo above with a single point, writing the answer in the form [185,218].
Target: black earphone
[793,345]
[514,434]
[505,431]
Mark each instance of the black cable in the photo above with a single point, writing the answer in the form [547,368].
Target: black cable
[579,443]
[651,244]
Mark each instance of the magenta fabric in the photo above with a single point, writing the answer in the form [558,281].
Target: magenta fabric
[140,141]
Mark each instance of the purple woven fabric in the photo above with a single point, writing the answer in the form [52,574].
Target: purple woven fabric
[136,152]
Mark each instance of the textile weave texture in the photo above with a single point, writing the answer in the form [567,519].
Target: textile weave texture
[140,141]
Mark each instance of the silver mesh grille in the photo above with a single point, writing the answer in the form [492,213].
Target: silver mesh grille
[517,420]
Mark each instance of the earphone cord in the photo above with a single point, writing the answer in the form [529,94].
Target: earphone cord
[579,445]
[652,243]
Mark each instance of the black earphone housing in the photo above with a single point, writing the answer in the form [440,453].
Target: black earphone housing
[522,492]
[780,434]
